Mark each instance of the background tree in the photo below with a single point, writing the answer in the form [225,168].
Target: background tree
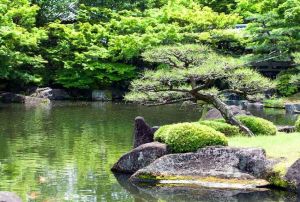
[273,26]
[20,58]
[195,72]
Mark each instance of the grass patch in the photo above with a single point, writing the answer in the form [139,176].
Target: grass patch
[281,145]
[275,103]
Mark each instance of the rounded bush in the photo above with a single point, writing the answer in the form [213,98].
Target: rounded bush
[225,128]
[159,135]
[297,124]
[188,137]
[258,126]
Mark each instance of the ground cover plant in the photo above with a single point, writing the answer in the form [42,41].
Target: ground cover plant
[188,137]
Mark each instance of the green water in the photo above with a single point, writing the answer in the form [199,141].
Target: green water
[64,152]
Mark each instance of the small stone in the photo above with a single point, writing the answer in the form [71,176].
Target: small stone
[140,157]
[51,94]
[9,197]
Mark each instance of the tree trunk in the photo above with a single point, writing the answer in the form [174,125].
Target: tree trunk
[225,111]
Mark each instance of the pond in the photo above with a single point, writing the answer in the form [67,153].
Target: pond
[64,152]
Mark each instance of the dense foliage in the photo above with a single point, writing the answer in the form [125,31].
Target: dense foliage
[225,128]
[188,137]
[97,44]
[274,27]
[20,57]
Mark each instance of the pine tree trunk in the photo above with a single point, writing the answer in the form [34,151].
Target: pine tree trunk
[225,111]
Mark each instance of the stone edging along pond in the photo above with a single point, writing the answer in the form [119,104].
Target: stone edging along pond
[214,167]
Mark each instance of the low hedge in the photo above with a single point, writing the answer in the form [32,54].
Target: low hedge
[257,125]
[188,137]
[225,128]
[297,124]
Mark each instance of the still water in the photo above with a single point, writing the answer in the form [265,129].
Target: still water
[64,152]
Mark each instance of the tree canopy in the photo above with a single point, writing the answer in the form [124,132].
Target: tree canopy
[97,44]
[192,73]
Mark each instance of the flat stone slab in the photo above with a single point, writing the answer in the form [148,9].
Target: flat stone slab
[6,196]
[210,167]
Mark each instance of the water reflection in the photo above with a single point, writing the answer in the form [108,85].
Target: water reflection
[64,151]
[183,193]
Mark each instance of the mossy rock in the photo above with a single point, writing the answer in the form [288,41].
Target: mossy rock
[188,137]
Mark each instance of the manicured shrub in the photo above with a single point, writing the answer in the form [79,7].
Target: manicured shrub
[258,126]
[160,133]
[188,137]
[297,125]
[225,128]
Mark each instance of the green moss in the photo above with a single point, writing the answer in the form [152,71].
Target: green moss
[225,128]
[274,103]
[146,176]
[297,124]
[188,137]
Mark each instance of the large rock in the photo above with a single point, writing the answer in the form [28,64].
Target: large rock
[17,98]
[140,157]
[241,167]
[51,94]
[12,98]
[293,175]
[216,114]
[292,108]
[9,197]
[143,133]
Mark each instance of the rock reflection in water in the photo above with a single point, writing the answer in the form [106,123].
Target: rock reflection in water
[143,193]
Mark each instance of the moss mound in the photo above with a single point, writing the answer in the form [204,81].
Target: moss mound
[297,124]
[258,126]
[188,137]
[225,128]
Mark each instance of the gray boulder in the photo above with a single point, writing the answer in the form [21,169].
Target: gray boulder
[101,95]
[9,197]
[18,98]
[293,175]
[244,164]
[12,98]
[51,94]
[140,157]
[143,133]
[216,114]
